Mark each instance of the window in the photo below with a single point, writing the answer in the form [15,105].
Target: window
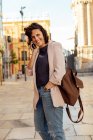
[22,37]
[24,55]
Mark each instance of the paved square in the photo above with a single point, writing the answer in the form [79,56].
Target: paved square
[17,117]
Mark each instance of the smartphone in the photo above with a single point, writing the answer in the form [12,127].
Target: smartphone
[33,45]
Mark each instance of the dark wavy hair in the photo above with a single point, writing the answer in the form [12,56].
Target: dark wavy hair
[28,32]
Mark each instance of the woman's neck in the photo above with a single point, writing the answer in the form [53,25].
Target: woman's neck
[43,45]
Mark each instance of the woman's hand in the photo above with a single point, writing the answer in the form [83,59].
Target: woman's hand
[29,64]
[49,85]
[29,72]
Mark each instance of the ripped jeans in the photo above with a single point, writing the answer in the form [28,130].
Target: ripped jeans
[48,119]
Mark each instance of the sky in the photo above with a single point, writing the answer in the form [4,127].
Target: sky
[58,11]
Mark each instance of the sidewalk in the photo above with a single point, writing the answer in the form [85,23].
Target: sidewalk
[16,112]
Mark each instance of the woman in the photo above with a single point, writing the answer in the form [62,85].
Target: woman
[48,69]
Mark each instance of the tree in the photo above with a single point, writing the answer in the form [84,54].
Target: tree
[13,59]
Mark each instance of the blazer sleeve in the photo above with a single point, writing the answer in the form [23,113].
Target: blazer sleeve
[58,63]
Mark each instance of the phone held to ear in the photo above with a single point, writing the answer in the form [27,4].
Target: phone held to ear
[33,45]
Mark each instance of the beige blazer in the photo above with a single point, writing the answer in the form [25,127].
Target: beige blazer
[56,72]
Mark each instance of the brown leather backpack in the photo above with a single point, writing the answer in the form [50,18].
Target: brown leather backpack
[70,90]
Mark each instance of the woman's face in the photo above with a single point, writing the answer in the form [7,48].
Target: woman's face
[38,38]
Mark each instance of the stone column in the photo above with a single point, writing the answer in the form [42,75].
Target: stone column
[80,7]
[90,23]
[82,24]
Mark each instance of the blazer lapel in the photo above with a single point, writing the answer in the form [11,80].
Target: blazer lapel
[50,57]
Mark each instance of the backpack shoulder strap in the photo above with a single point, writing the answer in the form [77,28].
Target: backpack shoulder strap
[80,113]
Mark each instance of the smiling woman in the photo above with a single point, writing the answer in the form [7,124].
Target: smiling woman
[48,67]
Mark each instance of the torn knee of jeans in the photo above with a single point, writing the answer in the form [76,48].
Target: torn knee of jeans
[50,124]
[52,134]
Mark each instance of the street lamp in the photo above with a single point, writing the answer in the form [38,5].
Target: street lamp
[22,14]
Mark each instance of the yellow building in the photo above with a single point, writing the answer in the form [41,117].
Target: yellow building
[13,32]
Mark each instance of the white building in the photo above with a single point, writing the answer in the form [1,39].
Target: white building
[83,11]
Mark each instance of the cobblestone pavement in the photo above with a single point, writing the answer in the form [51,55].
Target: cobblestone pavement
[16,112]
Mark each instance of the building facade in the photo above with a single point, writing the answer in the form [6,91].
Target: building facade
[83,12]
[16,47]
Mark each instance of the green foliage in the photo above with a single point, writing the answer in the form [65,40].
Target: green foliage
[13,57]
[1,51]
